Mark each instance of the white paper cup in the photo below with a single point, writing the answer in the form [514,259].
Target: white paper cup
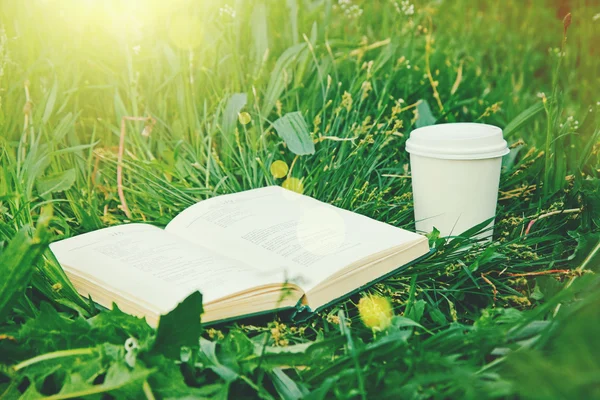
[455,172]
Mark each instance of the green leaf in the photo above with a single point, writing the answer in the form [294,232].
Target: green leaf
[18,259]
[437,316]
[63,127]
[297,354]
[115,326]
[425,117]
[522,118]
[235,104]
[50,331]
[208,355]
[260,34]
[120,380]
[50,102]
[181,327]
[239,344]
[279,76]
[537,293]
[590,201]
[402,322]
[120,375]
[56,182]
[416,311]
[286,387]
[293,130]
[587,252]
[486,256]
[169,382]
[434,237]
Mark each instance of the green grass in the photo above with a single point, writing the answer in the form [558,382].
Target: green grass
[515,318]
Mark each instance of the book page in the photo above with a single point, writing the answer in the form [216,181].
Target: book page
[149,265]
[277,230]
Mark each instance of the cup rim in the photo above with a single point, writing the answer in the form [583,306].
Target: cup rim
[458,141]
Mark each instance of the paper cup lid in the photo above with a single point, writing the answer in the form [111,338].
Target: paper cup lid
[458,141]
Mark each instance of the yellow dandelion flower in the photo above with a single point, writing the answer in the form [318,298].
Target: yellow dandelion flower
[244,118]
[375,312]
[293,184]
[279,169]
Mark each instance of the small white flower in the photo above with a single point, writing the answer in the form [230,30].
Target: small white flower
[350,10]
[541,95]
[136,49]
[596,17]
[407,8]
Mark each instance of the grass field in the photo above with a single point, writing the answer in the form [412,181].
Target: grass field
[203,82]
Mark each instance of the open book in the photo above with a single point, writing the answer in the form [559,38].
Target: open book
[251,252]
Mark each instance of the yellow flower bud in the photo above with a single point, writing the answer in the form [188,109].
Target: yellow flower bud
[375,312]
[279,169]
[244,118]
[293,184]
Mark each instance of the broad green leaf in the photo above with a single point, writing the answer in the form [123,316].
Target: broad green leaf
[115,326]
[169,382]
[293,130]
[437,316]
[239,344]
[181,327]
[37,160]
[73,373]
[208,355]
[234,105]
[121,380]
[548,286]
[522,118]
[56,182]
[425,117]
[280,77]
[51,331]
[18,260]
